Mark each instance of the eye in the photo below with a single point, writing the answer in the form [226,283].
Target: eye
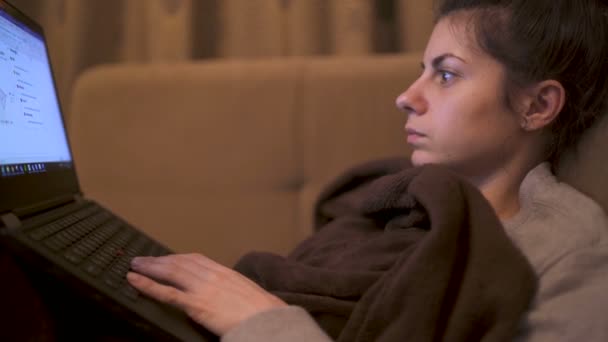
[445,77]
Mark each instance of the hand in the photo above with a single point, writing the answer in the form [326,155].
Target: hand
[211,294]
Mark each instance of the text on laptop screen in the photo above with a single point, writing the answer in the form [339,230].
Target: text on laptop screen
[36,166]
[31,128]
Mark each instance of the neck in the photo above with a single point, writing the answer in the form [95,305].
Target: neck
[500,185]
[500,179]
[501,189]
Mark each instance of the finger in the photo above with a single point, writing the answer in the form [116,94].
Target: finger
[167,269]
[204,268]
[195,263]
[218,273]
[207,263]
[162,293]
[199,261]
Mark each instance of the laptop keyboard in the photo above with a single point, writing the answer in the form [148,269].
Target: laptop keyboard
[100,243]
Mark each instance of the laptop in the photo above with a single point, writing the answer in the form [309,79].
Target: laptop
[44,217]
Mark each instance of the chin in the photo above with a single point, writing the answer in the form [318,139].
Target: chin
[420,158]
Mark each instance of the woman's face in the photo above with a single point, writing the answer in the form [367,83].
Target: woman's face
[457,113]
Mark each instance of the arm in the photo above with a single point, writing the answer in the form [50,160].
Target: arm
[221,299]
[572,303]
[290,323]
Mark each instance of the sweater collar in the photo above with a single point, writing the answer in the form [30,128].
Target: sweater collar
[535,182]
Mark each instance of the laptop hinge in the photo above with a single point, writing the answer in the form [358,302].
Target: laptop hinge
[10,221]
[46,205]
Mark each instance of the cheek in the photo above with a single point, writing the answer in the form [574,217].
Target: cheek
[453,124]
[471,127]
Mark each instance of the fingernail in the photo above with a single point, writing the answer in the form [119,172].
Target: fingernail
[136,261]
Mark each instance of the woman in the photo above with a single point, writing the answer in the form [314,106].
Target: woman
[505,87]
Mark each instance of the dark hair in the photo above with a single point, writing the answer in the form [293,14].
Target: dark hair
[536,40]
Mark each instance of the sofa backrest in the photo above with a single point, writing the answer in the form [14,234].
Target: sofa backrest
[228,156]
[585,166]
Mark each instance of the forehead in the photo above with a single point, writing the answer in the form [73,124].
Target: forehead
[454,34]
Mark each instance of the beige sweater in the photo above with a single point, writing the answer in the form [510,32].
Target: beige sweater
[564,235]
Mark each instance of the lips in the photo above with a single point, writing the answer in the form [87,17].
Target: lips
[411,131]
[413,136]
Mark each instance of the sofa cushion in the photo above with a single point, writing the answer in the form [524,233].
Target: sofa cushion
[348,113]
[586,165]
[186,128]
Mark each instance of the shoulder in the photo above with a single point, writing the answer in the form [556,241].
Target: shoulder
[571,304]
[564,235]
[571,214]
[559,220]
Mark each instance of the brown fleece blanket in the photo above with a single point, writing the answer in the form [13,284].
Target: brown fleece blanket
[403,254]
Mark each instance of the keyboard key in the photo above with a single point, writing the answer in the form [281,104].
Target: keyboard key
[93,269]
[130,292]
[100,244]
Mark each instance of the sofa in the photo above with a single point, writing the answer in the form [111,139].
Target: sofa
[224,157]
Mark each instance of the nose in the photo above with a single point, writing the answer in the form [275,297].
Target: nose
[412,101]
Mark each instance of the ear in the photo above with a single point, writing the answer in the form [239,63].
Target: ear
[543,103]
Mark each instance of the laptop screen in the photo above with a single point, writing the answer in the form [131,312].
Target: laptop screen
[35,159]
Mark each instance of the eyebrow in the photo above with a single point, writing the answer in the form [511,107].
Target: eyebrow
[439,59]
